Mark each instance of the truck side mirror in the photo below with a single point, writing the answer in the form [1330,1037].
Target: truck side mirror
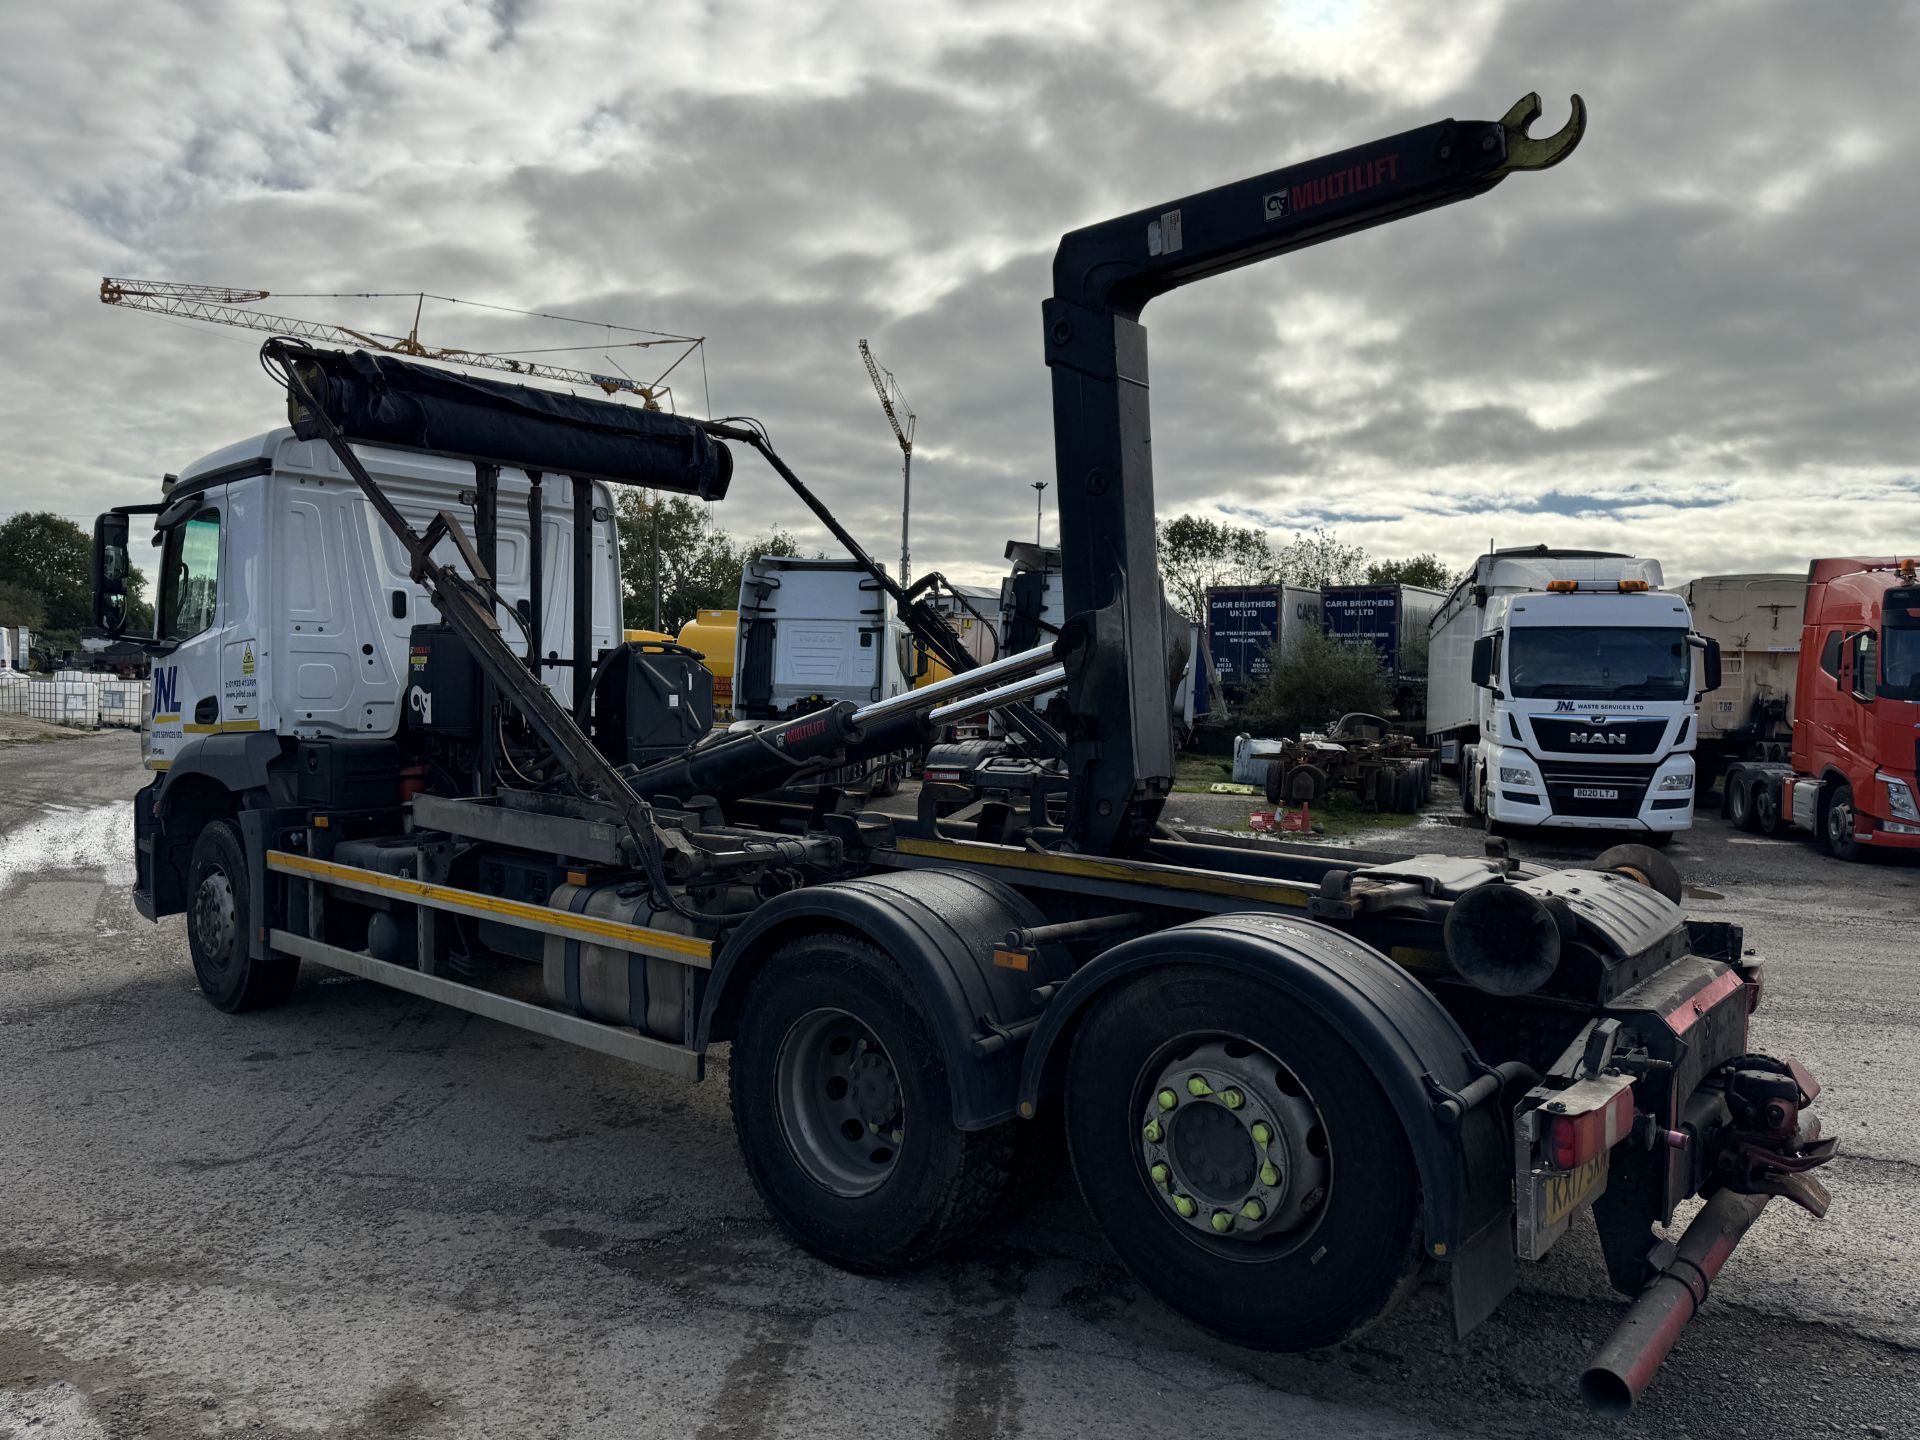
[1483,661]
[1710,667]
[112,573]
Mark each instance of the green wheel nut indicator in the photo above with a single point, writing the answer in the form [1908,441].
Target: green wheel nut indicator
[1167,1099]
[1184,1207]
[1198,1088]
[1262,1135]
[1269,1174]
[1222,1221]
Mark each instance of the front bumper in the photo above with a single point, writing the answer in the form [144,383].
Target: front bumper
[1583,795]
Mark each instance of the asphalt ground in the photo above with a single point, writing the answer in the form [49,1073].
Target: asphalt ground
[366,1215]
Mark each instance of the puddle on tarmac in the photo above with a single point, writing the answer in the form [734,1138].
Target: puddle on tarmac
[66,838]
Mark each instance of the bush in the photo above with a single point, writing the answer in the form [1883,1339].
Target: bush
[1314,685]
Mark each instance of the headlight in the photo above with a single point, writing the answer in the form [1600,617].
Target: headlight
[1900,800]
[1676,782]
[1511,776]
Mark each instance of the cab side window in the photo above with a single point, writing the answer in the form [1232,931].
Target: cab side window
[1830,654]
[190,577]
[1866,665]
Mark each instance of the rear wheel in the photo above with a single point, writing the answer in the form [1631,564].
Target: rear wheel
[845,1114]
[1740,796]
[1766,808]
[1836,824]
[1242,1160]
[219,920]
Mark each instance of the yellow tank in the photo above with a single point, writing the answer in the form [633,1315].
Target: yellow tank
[935,671]
[714,634]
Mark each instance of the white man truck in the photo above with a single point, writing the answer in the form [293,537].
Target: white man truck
[1562,685]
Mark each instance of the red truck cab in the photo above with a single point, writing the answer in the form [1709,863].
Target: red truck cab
[1856,716]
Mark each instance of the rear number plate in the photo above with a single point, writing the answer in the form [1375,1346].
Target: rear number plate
[1565,1191]
[1588,793]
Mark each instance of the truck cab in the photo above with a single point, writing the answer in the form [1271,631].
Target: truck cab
[1856,733]
[1566,685]
[285,610]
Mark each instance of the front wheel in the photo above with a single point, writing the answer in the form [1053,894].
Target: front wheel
[845,1113]
[1836,824]
[219,920]
[1242,1160]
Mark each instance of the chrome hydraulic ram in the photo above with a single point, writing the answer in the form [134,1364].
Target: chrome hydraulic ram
[750,762]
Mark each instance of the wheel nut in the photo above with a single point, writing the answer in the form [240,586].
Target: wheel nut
[1253,1210]
[1159,1174]
[1185,1207]
[1222,1221]
[1153,1132]
[1269,1174]
[1232,1099]
[1262,1135]
[1198,1088]
[1167,1099]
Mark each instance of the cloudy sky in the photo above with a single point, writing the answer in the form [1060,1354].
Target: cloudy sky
[1695,340]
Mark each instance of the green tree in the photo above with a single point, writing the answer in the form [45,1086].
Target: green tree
[1315,684]
[1422,569]
[700,563]
[21,606]
[1319,558]
[1197,554]
[52,558]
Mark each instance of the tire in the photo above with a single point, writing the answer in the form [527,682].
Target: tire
[1319,779]
[1276,782]
[1467,797]
[1740,803]
[1836,824]
[1658,839]
[1345,1253]
[853,1199]
[1645,866]
[1766,809]
[219,918]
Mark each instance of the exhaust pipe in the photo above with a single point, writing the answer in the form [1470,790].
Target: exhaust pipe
[1624,1366]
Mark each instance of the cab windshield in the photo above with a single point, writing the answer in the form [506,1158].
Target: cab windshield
[1900,646]
[1599,663]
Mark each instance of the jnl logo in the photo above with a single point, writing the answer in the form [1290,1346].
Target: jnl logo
[166,691]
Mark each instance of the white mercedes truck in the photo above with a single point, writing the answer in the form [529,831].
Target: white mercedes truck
[1563,685]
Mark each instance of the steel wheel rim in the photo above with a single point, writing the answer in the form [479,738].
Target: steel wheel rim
[213,918]
[1840,821]
[841,1108]
[1240,1162]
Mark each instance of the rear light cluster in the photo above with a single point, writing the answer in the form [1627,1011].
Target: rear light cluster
[1573,1140]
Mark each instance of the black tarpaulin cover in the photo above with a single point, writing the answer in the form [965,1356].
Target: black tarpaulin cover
[379,400]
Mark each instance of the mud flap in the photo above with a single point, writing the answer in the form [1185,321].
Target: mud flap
[1481,1274]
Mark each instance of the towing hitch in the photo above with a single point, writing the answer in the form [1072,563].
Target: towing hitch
[1768,1150]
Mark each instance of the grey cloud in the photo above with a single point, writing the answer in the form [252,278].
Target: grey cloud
[1693,339]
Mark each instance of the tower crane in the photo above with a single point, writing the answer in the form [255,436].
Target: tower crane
[893,400]
[227,305]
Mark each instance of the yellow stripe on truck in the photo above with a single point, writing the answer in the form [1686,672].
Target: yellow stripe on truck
[688,949]
[1139,872]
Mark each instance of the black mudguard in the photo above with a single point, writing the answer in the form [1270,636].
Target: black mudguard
[942,928]
[1414,1048]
